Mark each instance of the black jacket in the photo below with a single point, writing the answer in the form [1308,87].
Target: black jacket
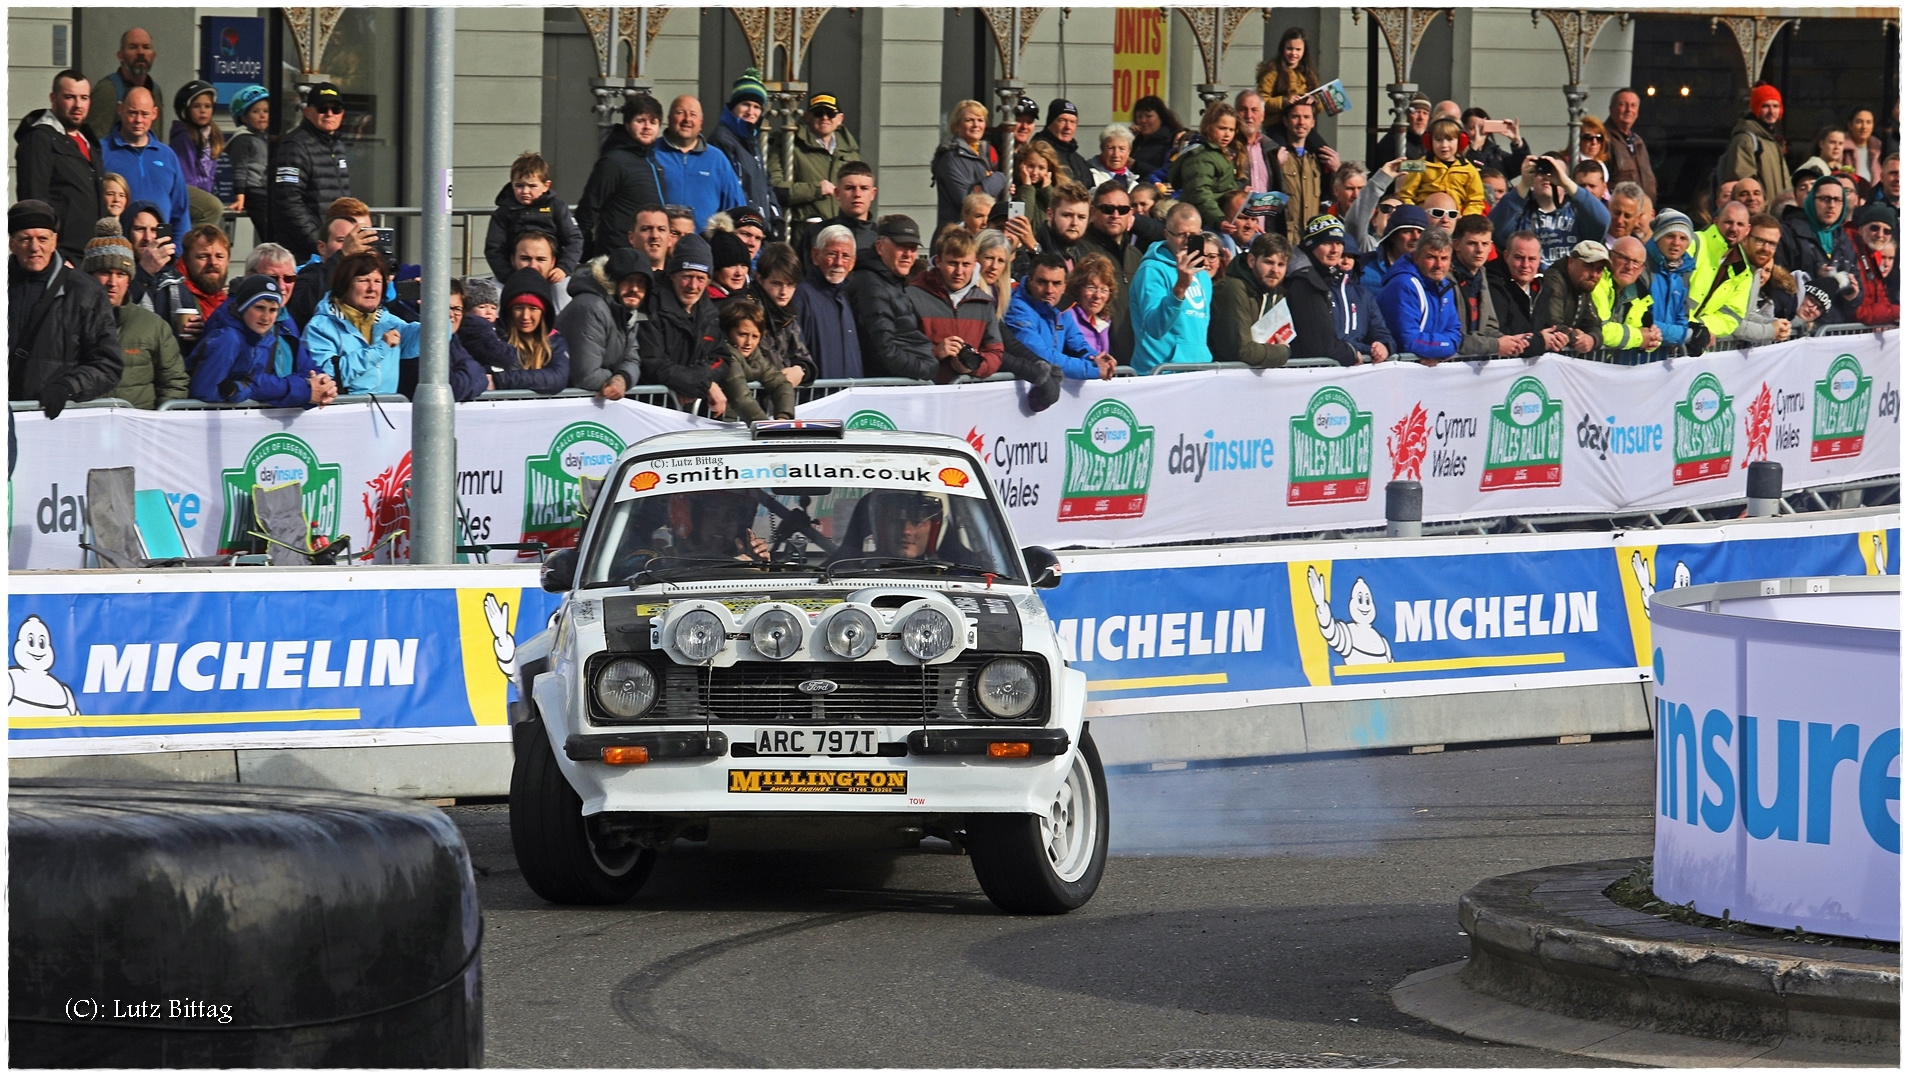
[50,167]
[679,348]
[1069,155]
[624,179]
[64,332]
[1516,312]
[511,218]
[748,167]
[892,343]
[308,173]
[1126,259]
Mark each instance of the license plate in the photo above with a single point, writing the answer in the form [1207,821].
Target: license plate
[805,742]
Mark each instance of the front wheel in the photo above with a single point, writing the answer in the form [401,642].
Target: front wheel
[566,858]
[1048,863]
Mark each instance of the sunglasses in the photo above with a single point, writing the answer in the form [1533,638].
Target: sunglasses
[1442,214]
[282,279]
[1590,138]
[1114,210]
[1879,229]
[328,109]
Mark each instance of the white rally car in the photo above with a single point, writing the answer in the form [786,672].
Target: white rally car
[791,635]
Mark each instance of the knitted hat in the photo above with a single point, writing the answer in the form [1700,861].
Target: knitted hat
[525,286]
[749,88]
[246,97]
[1878,213]
[692,252]
[108,249]
[1762,93]
[1670,220]
[479,290]
[727,249]
[1821,297]
[32,213]
[1059,107]
[1323,228]
[1419,100]
[247,290]
[1405,218]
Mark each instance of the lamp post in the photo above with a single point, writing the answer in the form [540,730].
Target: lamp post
[1403,29]
[433,409]
[1578,31]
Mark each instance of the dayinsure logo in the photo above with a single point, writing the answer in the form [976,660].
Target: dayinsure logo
[1841,410]
[275,460]
[1525,445]
[1331,450]
[552,486]
[1109,465]
[1705,442]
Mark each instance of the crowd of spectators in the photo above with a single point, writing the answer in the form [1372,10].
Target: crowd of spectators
[732,267]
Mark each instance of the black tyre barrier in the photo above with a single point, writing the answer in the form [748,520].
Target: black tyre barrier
[170,924]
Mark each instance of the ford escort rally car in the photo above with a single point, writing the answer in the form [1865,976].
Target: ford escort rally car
[793,635]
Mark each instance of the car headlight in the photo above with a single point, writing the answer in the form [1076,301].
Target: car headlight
[776,633]
[927,633]
[850,634]
[1007,687]
[699,635]
[626,688]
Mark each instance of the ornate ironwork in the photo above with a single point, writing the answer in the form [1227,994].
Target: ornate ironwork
[1754,35]
[629,28]
[1403,29]
[757,27]
[1011,47]
[311,30]
[1578,31]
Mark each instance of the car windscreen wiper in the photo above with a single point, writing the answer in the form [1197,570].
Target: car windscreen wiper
[664,569]
[878,563]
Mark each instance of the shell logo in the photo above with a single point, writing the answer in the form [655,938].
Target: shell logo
[643,481]
[953,476]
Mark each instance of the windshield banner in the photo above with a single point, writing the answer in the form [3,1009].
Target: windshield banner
[924,471]
[1234,453]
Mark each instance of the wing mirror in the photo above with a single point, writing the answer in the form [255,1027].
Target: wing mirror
[559,571]
[1043,566]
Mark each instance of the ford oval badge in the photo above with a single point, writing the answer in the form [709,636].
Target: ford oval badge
[817,687]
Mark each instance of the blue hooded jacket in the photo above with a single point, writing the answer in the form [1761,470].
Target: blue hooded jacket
[233,364]
[1052,336]
[1575,219]
[1669,293]
[1422,315]
[1166,329]
[699,177]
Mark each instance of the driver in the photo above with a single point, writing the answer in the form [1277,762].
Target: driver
[906,523]
[716,523]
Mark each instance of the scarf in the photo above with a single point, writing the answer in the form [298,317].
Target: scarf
[208,303]
[365,322]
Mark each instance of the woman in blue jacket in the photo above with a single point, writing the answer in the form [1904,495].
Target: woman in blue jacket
[353,336]
[234,360]
[542,358]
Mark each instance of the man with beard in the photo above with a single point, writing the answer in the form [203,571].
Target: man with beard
[1729,231]
[1755,148]
[58,162]
[1301,171]
[1516,282]
[1751,298]
[1063,123]
[186,302]
[136,56]
[1065,227]
[1332,315]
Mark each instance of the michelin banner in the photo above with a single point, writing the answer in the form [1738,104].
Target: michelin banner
[1146,461]
[119,662]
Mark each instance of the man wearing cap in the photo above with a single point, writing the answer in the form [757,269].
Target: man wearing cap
[309,172]
[624,178]
[1409,141]
[62,341]
[1402,229]
[151,169]
[892,341]
[681,341]
[807,185]
[235,363]
[600,323]
[1546,201]
[693,174]
[1172,297]
[1564,301]
[1010,137]
[1877,300]
[154,369]
[1671,263]
[1755,148]
[136,56]
[737,134]
[1420,301]
[1063,123]
[1333,316]
[58,161]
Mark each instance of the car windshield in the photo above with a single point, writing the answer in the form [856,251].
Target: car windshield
[823,515]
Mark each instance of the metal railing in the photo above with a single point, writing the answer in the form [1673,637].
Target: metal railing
[104,401]
[461,220]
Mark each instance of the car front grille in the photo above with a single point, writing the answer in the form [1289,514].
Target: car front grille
[868,692]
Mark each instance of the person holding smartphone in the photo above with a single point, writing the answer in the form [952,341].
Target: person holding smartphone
[1484,150]
[1172,297]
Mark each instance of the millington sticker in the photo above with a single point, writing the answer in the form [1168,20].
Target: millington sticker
[1331,450]
[275,460]
[851,782]
[1841,410]
[1109,465]
[868,419]
[1705,432]
[1525,446]
[552,486]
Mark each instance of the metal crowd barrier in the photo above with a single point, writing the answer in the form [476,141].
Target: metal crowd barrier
[103,401]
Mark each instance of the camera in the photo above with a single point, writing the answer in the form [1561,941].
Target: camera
[1545,168]
[387,243]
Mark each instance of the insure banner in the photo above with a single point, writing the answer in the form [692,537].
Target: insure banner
[518,464]
[1139,461]
[1222,627]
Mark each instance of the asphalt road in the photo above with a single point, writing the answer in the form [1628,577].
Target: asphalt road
[1250,909]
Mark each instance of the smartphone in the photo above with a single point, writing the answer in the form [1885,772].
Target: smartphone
[1491,127]
[1413,165]
[163,232]
[1016,209]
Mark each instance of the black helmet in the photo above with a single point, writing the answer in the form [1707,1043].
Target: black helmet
[190,90]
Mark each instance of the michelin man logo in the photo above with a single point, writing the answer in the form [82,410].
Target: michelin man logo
[1358,640]
[1645,577]
[503,644]
[33,690]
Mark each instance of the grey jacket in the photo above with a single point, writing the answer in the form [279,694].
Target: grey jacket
[601,332]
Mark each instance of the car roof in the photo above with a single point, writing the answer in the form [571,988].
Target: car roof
[740,437]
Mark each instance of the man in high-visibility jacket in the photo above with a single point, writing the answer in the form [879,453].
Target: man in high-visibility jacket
[1713,243]
[1622,301]
[1731,303]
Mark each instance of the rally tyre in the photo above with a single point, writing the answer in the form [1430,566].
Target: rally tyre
[562,858]
[1046,864]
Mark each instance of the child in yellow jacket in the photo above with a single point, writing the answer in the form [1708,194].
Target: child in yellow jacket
[1444,171]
